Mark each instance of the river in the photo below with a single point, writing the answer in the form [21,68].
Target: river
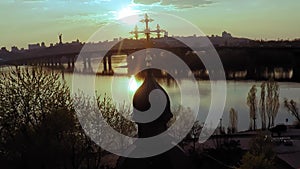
[121,89]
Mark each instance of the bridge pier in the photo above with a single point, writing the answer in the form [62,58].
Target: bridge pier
[296,67]
[84,65]
[48,62]
[296,74]
[55,61]
[107,60]
[69,63]
[59,62]
[51,62]
[90,68]
[73,62]
[45,62]
[87,65]
[104,65]
[34,62]
[251,73]
[110,65]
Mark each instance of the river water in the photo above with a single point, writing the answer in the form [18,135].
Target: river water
[121,89]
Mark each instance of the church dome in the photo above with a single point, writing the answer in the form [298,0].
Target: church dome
[141,103]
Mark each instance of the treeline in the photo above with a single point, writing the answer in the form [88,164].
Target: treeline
[39,127]
[268,105]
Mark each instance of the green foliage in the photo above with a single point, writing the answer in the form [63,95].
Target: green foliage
[90,110]
[27,96]
[262,106]
[268,104]
[272,102]
[39,127]
[262,144]
[35,117]
[291,106]
[186,116]
[260,155]
[233,120]
[251,161]
[252,103]
[228,154]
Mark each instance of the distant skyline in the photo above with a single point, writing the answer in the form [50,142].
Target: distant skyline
[36,21]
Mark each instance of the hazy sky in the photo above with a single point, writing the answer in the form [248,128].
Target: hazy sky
[32,21]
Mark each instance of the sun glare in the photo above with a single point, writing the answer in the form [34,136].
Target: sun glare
[133,84]
[128,16]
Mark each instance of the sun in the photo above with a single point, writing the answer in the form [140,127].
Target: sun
[128,15]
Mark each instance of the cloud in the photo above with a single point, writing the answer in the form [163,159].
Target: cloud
[146,2]
[21,1]
[176,3]
[30,1]
[86,17]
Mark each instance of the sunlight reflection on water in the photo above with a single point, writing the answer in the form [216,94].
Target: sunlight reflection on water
[117,88]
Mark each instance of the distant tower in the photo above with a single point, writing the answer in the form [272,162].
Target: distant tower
[226,35]
[60,38]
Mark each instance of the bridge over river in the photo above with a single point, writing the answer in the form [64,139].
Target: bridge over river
[255,61]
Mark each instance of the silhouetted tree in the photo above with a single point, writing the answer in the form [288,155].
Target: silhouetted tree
[262,106]
[186,115]
[35,117]
[89,109]
[260,154]
[291,106]
[195,133]
[252,103]
[233,120]
[39,127]
[272,102]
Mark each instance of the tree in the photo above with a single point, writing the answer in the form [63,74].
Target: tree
[186,116]
[250,161]
[233,117]
[260,154]
[262,106]
[35,116]
[252,103]
[269,103]
[272,102]
[291,106]
[194,134]
[39,127]
[89,109]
